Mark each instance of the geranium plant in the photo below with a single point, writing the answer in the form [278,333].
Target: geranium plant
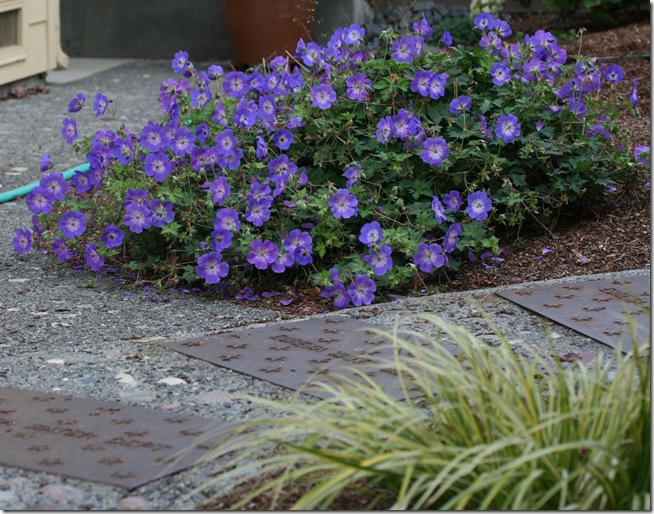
[358,173]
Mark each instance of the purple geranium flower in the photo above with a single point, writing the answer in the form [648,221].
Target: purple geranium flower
[362,290]
[77,102]
[258,211]
[283,139]
[227,219]
[221,239]
[263,254]
[479,205]
[422,27]
[180,62]
[501,73]
[220,190]
[93,258]
[69,130]
[614,73]
[135,196]
[100,105]
[358,87]
[137,218]
[452,237]
[284,260]
[633,96]
[81,182]
[162,212]
[236,84]
[39,201]
[435,151]
[642,154]
[23,241]
[60,249]
[352,175]
[296,239]
[404,49]
[323,96]
[452,200]
[112,236]
[485,21]
[421,82]
[46,162]
[343,204]
[123,150]
[183,142]
[446,38]
[211,267]
[72,224]
[460,104]
[439,210]
[371,233]
[380,261]
[384,129]
[158,166]
[339,294]
[507,128]
[429,257]
[226,142]
[55,184]
[36,225]
[153,137]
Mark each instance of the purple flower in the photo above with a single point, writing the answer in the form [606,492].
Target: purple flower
[162,212]
[303,255]
[81,182]
[258,211]
[452,237]
[135,196]
[362,290]
[435,151]
[297,239]
[460,105]
[77,102]
[93,258]
[507,128]
[633,96]
[339,294]
[202,132]
[236,84]
[343,204]
[39,201]
[46,162]
[137,218]
[485,21]
[220,190]
[267,108]
[323,96]
[153,137]
[112,236]
[214,71]
[55,184]
[421,82]
[484,126]
[479,205]
[404,49]
[429,257]
[23,241]
[226,142]
[439,210]
[352,175]
[354,34]
[69,130]
[180,62]
[283,139]
[246,113]
[263,253]
[211,267]
[100,105]
[227,219]
[371,233]
[358,87]
[380,261]
[422,27]
[614,73]
[384,129]
[453,200]
[183,142]
[221,239]
[36,225]
[447,38]
[158,166]
[284,260]
[437,85]
[501,73]
[642,154]
[60,249]
[72,224]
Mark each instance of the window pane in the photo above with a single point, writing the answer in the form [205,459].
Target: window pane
[9,28]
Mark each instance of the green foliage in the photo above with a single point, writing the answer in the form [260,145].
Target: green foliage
[462,30]
[488,429]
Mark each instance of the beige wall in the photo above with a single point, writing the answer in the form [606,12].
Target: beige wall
[37,47]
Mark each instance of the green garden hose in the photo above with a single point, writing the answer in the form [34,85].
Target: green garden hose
[25,190]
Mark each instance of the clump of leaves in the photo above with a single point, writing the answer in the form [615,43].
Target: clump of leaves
[487,429]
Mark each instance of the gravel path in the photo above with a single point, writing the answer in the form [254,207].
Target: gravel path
[74,334]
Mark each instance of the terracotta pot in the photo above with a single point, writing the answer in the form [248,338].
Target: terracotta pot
[263,29]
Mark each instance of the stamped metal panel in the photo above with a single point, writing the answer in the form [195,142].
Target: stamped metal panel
[292,354]
[105,442]
[600,309]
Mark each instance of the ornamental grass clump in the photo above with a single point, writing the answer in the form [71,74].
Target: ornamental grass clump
[354,172]
[488,429]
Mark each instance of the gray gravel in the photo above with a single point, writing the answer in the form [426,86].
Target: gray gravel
[73,333]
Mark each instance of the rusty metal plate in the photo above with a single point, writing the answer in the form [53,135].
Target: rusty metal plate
[292,354]
[105,442]
[600,309]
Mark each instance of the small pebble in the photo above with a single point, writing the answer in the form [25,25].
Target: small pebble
[125,378]
[62,493]
[171,381]
[133,503]
[55,361]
